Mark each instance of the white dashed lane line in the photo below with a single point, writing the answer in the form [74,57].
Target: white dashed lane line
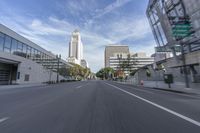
[79,87]
[3,119]
[82,86]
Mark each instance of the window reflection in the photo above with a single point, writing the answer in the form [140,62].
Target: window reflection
[7,44]
[1,41]
[15,47]
[24,50]
[28,52]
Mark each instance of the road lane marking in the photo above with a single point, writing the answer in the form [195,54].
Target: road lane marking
[132,87]
[143,90]
[79,86]
[4,119]
[160,90]
[159,106]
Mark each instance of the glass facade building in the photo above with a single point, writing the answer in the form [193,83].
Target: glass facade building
[163,13]
[13,46]
[28,50]
[22,61]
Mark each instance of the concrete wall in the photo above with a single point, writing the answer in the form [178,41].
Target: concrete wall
[171,67]
[37,73]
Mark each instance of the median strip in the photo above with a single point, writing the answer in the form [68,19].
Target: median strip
[159,106]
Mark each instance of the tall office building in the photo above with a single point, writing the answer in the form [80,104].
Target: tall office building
[116,55]
[110,50]
[131,61]
[75,48]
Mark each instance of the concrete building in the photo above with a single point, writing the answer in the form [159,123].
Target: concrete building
[119,57]
[169,66]
[164,14]
[76,47]
[130,61]
[76,50]
[22,61]
[110,50]
[158,56]
[73,60]
[84,63]
[176,26]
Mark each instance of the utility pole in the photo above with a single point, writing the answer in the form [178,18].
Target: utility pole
[187,85]
[58,57]
[51,69]
[182,29]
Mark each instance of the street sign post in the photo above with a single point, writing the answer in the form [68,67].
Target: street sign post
[182,28]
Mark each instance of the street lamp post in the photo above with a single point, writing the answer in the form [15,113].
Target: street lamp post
[58,57]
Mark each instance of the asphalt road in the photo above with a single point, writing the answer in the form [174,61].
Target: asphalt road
[97,107]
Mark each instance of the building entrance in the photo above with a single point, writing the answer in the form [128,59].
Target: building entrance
[8,73]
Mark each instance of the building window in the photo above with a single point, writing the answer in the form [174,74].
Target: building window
[33,53]
[14,47]
[7,44]
[26,78]
[19,47]
[28,52]
[43,56]
[2,36]
[18,75]
[38,54]
[24,50]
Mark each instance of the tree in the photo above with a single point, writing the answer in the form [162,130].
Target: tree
[64,71]
[105,73]
[76,71]
[100,74]
[127,64]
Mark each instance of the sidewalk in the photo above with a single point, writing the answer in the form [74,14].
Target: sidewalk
[175,90]
[2,87]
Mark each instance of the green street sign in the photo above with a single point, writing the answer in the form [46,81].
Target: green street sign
[182,35]
[183,25]
[181,30]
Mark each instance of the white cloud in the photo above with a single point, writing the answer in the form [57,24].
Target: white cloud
[45,29]
[53,34]
[145,46]
[76,7]
[40,32]
[135,28]
[111,7]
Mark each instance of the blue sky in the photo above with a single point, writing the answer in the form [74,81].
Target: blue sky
[49,23]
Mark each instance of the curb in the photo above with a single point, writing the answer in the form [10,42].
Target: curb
[186,91]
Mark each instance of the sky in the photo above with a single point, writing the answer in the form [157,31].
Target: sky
[49,23]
